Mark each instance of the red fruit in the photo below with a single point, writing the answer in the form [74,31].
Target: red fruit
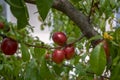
[9,46]
[69,51]
[1,25]
[58,56]
[59,38]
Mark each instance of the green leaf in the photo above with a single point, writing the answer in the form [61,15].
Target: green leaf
[8,68]
[43,7]
[39,52]
[117,35]
[58,69]
[1,66]
[98,59]
[45,72]
[19,10]
[80,69]
[31,71]
[1,9]
[115,74]
[25,52]
[75,1]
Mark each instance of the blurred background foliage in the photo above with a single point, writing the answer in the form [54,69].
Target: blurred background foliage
[29,63]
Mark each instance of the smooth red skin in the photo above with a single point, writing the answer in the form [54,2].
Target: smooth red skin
[1,25]
[9,46]
[58,56]
[69,52]
[59,38]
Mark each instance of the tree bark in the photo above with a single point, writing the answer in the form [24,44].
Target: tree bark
[75,15]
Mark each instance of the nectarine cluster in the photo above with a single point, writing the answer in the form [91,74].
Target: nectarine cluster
[66,51]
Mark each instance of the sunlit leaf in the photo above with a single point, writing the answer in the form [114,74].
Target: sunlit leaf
[25,52]
[98,59]
[43,7]
[38,53]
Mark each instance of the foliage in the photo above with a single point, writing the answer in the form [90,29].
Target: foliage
[87,64]
[20,6]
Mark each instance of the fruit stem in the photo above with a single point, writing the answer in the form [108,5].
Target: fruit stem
[81,37]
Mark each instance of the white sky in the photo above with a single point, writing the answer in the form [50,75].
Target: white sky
[43,35]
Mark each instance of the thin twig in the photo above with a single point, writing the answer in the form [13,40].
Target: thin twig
[45,47]
[92,4]
[41,46]
[81,37]
[100,76]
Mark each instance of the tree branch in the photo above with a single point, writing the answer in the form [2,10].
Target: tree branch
[91,10]
[75,15]
[80,19]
